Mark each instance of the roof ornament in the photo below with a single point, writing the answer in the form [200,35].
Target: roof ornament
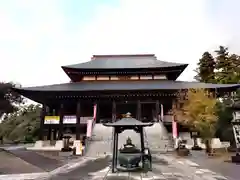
[128,115]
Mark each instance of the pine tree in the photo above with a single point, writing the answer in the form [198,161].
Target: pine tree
[222,58]
[234,69]
[227,66]
[205,70]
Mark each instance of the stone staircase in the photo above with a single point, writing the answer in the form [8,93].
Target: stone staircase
[101,142]
[158,138]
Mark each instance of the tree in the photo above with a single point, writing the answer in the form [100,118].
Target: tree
[224,68]
[21,125]
[224,126]
[8,98]
[227,66]
[197,109]
[205,70]
[222,58]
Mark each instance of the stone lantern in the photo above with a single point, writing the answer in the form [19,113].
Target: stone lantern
[236,129]
[66,141]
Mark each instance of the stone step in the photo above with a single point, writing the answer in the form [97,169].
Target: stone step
[101,141]
[158,138]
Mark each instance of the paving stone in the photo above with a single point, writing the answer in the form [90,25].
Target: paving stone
[135,175]
[147,176]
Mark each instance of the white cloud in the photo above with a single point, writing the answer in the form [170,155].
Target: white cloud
[174,30]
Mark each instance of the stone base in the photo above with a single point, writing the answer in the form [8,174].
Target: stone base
[236,159]
[59,144]
[41,146]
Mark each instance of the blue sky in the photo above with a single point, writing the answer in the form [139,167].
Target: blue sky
[38,36]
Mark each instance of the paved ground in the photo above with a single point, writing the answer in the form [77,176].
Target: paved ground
[165,167]
[219,165]
[96,165]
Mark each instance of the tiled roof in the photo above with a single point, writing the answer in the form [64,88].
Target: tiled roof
[124,62]
[128,85]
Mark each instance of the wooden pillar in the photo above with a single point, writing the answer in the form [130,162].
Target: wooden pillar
[157,110]
[42,117]
[142,144]
[139,110]
[114,117]
[60,134]
[78,114]
[114,150]
[55,134]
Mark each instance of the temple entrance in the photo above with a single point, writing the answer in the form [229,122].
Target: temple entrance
[104,111]
[148,113]
[125,107]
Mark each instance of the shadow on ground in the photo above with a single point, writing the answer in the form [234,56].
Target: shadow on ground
[84,171]
[14,165]
[36,159]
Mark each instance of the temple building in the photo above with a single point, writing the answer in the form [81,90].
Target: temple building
[107,87]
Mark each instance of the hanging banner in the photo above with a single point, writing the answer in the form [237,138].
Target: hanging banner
[162,115]
[174,127]
[51,119]
[89,128]
[94,112]
[70,119]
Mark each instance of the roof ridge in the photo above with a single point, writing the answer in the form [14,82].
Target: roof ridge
[123,55]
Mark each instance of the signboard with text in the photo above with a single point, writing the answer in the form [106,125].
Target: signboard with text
[70,119]
[51,119]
